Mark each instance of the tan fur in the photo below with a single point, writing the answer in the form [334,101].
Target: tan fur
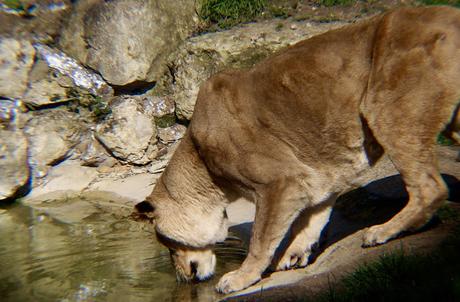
[299,129]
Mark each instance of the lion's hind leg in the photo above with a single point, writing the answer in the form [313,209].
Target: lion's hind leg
[426,191]
[407,128]
[410,142]
[412,92]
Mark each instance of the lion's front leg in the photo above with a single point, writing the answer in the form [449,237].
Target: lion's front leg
[278,207]
[306,232]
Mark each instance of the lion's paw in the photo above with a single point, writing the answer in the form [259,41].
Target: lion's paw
[235,281]
[293,258]
[376,235]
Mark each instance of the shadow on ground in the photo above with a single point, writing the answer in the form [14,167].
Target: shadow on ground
[372,204]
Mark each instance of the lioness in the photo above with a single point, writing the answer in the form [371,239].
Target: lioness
[299,128]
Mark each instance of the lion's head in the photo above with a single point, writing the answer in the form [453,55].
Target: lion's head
[188,228]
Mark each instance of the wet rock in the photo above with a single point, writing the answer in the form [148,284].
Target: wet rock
[239,47]
[129,133]
[69,67]
[16,60]
[128,41]
[171,134]
[13,162]
[52,134]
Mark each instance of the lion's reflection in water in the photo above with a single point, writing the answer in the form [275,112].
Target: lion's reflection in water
[100,258]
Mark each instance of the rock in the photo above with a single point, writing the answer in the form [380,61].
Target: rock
[12,114]
[171,134]
[38,20]
[159,106]
[13,162]
[16,60]
[8,112]
[52,134]
[94,154]
[67,176]
[162,108]
[135,187]
[128,41]
[129,133]
[69,67]
[44,88]
[45,92]
[239,47]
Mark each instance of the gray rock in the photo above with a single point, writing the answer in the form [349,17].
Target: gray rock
[8,111]
[129,133]
[162,109]
[42,22]
[12,114]
[159,106]
[94,154]
[44,88]
[13,162]
[239,47]
[69,67]
[52,134]
[16,60]
[45,92]
[127,40]
[68,176]
[171,134]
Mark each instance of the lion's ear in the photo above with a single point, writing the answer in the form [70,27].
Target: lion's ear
[142,212]
[144,207]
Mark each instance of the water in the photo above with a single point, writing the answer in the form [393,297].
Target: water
[103,256]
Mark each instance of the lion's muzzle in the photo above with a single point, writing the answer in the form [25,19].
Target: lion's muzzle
[193,265]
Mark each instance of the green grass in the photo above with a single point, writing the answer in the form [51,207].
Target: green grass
[443,140]
[98,106]
[279,11]
[402,277]
[455,3]
[14,4]
[335,2]
[227,13]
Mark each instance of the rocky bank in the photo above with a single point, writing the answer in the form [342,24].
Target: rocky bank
[94,93]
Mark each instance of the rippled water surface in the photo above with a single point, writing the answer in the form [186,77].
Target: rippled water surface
[100,257]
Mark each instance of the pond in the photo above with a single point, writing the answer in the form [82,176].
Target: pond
[102,256]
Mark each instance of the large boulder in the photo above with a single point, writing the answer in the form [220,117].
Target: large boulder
[38,20]
[13,151]
[52,134]
[13,162]
[16,61]
[239,47]
[129,133]
[128,41]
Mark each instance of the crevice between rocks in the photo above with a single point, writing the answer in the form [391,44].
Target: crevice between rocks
[134,88]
